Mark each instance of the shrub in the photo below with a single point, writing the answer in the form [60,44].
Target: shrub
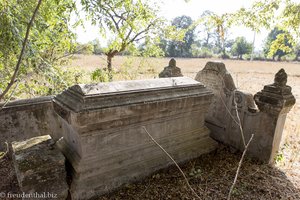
[100,75]
[205,53]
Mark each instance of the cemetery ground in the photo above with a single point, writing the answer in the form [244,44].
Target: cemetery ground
[210,175]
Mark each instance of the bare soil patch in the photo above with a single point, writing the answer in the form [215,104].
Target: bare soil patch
[8,179]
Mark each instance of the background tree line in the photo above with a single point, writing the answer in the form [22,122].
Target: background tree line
[33,51]
[210,43]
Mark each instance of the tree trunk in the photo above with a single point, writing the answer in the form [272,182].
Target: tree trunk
[279,58]
[207,40]
[18,65]
[223,47]
[224,52]
[109,66]
[109,62]
[252,52]
[297,56]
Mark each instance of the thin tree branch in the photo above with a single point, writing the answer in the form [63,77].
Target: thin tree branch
[239,168]
[115,14]
[69,54]
[129,33]
[139,33]
[138,39]
[185,178]
[12,80]
[238,122]
[6,152]
[113,19]
[121,17]
[239,119]
[10,96]
[229,112]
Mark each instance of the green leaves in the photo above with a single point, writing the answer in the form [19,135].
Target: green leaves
[127,23]
[283,14]
[241,47]
[279,43]
[124,21]
[261,14]
[49,40]
[280,46]
[269,14]
[100,75]
[218,25]
[291,17]
[179,37]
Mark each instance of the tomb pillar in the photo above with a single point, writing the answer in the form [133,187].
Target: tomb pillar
[274,102]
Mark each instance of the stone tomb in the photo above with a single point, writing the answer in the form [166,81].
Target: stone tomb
[40,169]
[262,115]
[103,135]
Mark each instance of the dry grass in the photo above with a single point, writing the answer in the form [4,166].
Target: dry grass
[189,66]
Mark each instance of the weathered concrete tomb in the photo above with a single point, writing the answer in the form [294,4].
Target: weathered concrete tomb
[27,118]
[99,128]
[264,115]
[40,169]
[104,139]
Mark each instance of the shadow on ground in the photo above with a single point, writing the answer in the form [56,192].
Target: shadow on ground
[210,175]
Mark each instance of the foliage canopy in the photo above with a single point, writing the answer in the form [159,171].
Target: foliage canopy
[126,22]
[182,48]
[241,47]
[278,43]
[49,40]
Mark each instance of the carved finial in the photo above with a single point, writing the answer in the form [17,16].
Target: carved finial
[172,63]
[280,78]
[171,70]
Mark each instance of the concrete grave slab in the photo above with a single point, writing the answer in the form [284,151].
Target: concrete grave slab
[40,169]
[103,131]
